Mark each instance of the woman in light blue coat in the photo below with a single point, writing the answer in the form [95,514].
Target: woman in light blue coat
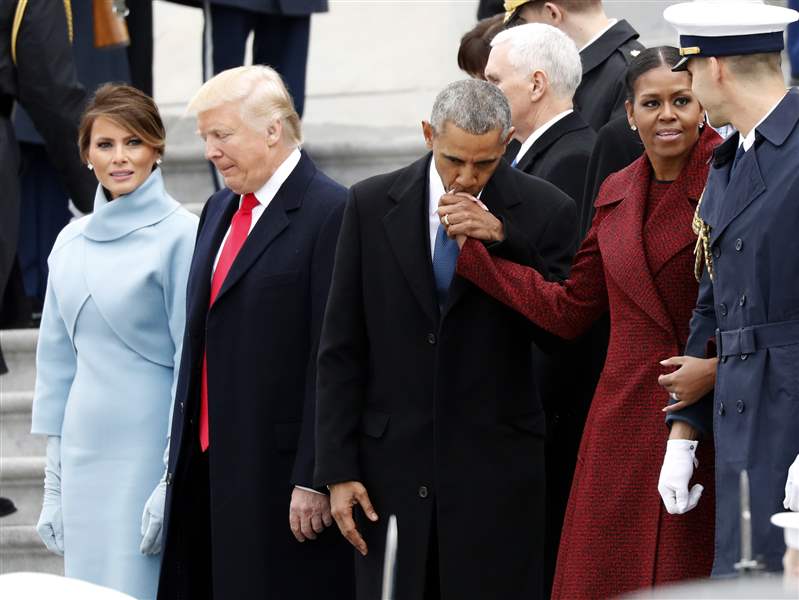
[109,344]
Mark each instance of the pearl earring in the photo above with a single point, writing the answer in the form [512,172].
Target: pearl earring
[90,166]
[158,161]
[633,127]
[702,125]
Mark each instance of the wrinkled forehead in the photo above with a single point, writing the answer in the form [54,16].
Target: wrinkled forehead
[224,116]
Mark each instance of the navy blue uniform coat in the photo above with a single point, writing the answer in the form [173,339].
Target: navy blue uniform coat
[261,336]
[753,215]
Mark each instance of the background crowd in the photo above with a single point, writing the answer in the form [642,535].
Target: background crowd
[480,343]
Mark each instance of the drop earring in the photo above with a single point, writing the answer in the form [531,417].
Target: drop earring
[90,166]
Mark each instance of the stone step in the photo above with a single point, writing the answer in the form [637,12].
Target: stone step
[19,351]
[15,426]
[22,550]
[21,480]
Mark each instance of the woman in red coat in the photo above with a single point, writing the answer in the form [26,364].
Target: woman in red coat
[636,261]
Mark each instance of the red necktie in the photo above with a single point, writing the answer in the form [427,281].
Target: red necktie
[239,228]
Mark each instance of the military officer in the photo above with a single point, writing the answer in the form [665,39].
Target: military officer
[748,305]
[606,47]
[37,70]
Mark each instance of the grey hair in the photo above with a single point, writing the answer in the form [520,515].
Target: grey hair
[540,47]
[473,105]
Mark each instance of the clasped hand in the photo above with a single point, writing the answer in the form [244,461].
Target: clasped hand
[693,379]
[464,216]
[309,514]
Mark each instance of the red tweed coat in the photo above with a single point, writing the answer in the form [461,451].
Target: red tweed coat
[617,536]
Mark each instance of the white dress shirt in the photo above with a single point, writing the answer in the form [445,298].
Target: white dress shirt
[435,190]
[533,137]
[610,24]
[748,140]
[265,195]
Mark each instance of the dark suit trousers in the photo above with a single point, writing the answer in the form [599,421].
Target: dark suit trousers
[432,586]
[279,41]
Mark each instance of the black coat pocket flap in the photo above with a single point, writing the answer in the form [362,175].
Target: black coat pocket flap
[374,422]
[287,435]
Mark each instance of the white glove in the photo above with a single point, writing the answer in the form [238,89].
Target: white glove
[152,517]
[51,525]
[791,501]
[675,474]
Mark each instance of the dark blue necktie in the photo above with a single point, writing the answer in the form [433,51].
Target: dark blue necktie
[445,257]
[739,153]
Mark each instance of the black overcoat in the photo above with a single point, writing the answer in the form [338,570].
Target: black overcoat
[601,94]
[560,156]
[261,337]
[436,413]
[753,305]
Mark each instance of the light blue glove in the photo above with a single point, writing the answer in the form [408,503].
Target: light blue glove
[152,518]
[51,526]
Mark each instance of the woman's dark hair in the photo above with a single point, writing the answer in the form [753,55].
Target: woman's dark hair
[476,45]
[130,109]
[651,58]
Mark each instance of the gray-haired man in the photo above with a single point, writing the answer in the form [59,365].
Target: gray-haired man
[426,406]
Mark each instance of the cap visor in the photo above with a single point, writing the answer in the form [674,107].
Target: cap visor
[682,65]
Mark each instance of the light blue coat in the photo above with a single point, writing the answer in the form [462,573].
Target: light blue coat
[109,343]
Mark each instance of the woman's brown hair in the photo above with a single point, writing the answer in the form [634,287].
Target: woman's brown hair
[128,108]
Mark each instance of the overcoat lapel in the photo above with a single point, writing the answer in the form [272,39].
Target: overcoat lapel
[621,241]
[499,194]
[669,227]
[269,226]
[199,292]
[407,233]
[621,234]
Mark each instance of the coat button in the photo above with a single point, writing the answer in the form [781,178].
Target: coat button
[716,252]
[431,339]
[181,406]
[739,244]
[740,406]
[723,359]
[169,478]
[744,356]
[742,301]
[423,492]
[723,309]
[721,409]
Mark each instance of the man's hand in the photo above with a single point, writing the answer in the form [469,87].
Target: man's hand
[694,378]
[309,514]
[343,496]
[675,474]
[465,216]
[791,501]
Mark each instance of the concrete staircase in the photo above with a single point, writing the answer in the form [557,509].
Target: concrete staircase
[21,460]
[347,154]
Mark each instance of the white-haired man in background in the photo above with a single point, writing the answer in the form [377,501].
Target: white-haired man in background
[240,495]
[538,69]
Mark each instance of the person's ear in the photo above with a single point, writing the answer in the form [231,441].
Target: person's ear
[511,132]
[428,132]
[628,106]
[539,84]
[718,69]
[552,13]
[274,132]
